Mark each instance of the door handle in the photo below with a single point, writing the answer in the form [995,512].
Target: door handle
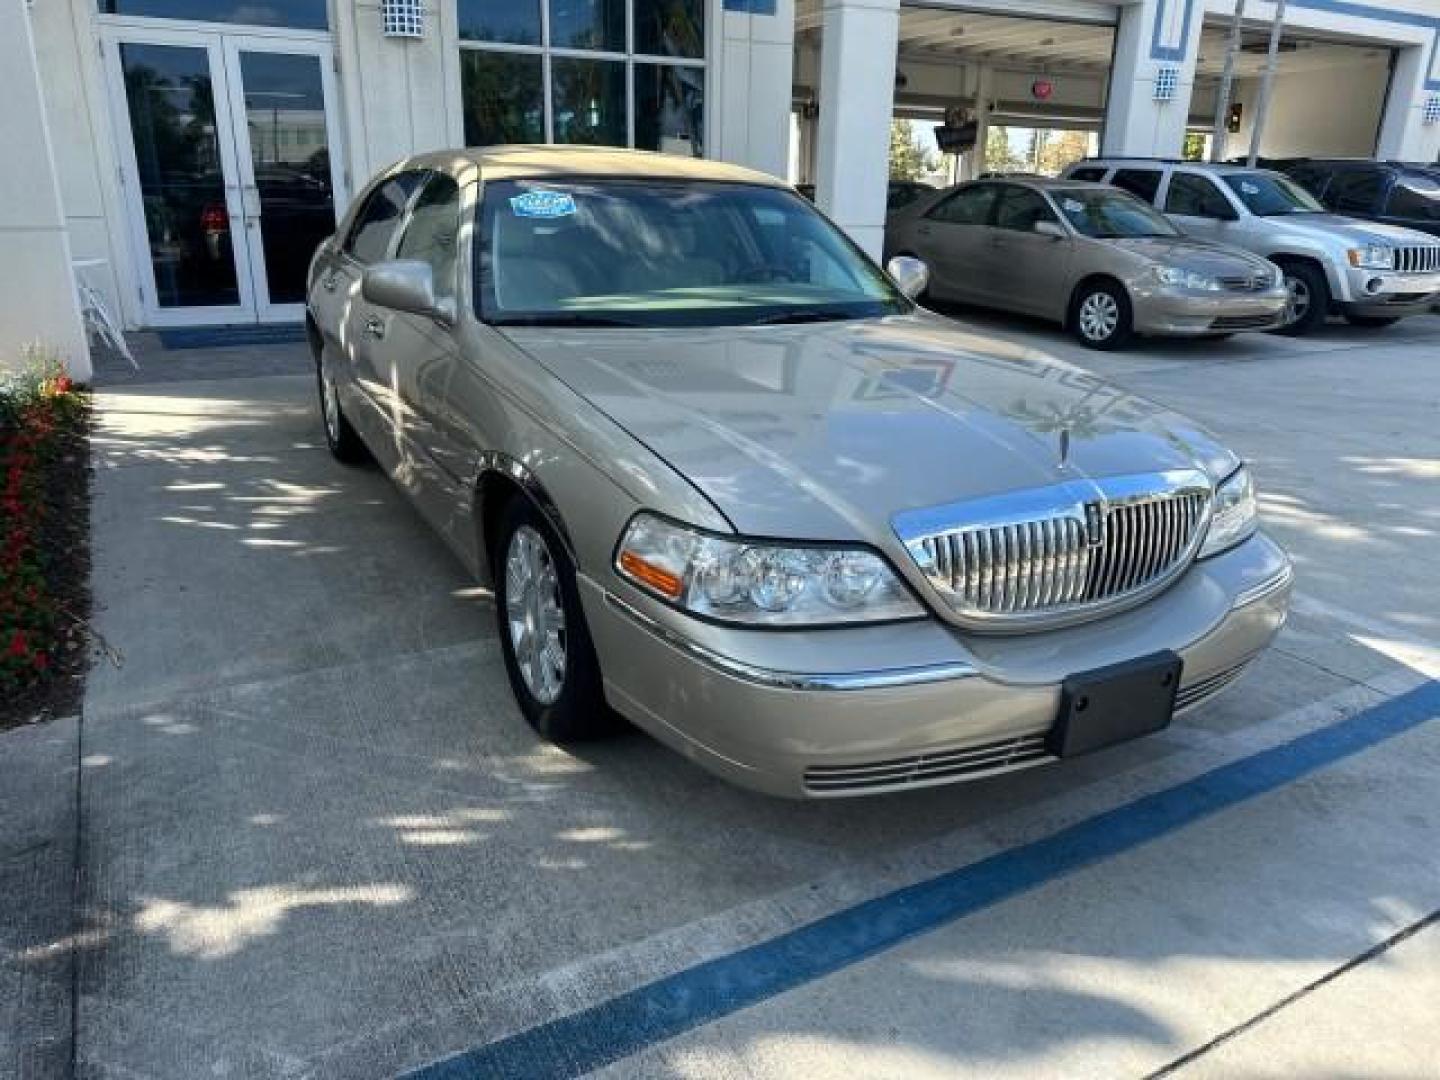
[374,328]
[923,230]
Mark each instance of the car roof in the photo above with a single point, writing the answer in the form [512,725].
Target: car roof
[1039,183]
[1223,167]
[514,162]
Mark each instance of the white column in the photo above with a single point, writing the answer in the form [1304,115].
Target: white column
[857,101]
[750,87]
[1152,35]
[974,161]
[37,284]
[1404,135]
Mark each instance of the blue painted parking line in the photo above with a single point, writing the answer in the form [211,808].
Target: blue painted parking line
[615,1029]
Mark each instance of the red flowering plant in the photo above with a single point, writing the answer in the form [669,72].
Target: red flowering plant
[38,404]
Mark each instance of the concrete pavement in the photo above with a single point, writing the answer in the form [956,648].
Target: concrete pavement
[318,840]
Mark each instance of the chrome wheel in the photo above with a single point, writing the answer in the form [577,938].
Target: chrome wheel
[1297,301]
[329,403]
[535,615]
[1099,316]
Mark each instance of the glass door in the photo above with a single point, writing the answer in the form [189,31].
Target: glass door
[286,169]
[229,173]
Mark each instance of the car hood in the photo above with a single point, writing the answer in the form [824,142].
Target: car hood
[1352,230]
[828,430]
[1200,256]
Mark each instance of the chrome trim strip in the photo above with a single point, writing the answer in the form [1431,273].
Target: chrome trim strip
[795,680]
[1269,587]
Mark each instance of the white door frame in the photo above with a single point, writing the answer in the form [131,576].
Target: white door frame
[222,45]
[233,45]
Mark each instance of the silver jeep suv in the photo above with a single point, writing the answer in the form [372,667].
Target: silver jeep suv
[1371,273]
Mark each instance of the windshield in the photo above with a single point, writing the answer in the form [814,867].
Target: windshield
[1109,214]
[1270,195]
[667,253]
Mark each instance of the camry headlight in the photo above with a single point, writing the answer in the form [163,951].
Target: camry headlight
[760,583]
[1175,277]
[1373,257]
[1234,517]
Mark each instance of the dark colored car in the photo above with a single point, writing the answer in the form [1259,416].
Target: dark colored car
[1394,192]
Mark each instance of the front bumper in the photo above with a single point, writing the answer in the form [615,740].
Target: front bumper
[1177,312]
[1385,294]
[872,709]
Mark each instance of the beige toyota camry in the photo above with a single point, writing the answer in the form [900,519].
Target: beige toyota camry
[728,482]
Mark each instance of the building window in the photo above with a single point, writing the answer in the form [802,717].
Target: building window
[293,14]
[596,72]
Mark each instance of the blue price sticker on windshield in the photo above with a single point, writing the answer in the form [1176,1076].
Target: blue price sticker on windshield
[543,204]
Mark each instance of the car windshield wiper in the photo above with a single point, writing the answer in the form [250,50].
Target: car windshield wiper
[803,315]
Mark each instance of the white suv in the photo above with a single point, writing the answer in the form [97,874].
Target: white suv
[1371,273]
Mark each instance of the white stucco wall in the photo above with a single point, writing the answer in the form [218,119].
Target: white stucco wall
[37,287]
[1329,112]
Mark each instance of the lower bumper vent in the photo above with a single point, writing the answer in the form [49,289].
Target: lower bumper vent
[931,768]
[1208,687]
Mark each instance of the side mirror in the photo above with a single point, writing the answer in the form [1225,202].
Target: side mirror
[406,285]
[1052,229]
[909,273]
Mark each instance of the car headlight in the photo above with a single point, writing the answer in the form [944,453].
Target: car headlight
[1372,257]
[760,583]
[1233,519]
[1175,277]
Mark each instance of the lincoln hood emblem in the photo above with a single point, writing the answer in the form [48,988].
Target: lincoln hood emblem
[1064,448]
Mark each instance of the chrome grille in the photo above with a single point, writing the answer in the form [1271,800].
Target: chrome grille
[920,770]
[1418,260]
[1250,283]
[1094,551]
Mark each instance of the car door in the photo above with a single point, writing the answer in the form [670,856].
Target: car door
[420,358]
[952,238]
[1357,191]
[1144,184]
[365,388]
[1414,203]
[1030,270]
[1196,204]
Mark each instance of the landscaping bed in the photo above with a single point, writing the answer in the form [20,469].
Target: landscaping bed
[44,543]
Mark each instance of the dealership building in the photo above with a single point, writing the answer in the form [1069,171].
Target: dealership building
[183,157]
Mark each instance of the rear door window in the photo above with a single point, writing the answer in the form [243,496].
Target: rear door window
[1190,195]
[968,206]
[1356,191]
[1312,178]
[1142,183]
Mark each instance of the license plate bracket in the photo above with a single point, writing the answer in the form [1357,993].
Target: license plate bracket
[1116,704]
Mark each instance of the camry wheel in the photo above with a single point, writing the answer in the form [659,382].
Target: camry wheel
[549,656]
[1307,299]
[1100,316]
[342,439]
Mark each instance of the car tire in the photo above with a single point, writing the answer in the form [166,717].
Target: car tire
[1309,299]
[1372,322]
[344,442]
[1101,316]
[555,679]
